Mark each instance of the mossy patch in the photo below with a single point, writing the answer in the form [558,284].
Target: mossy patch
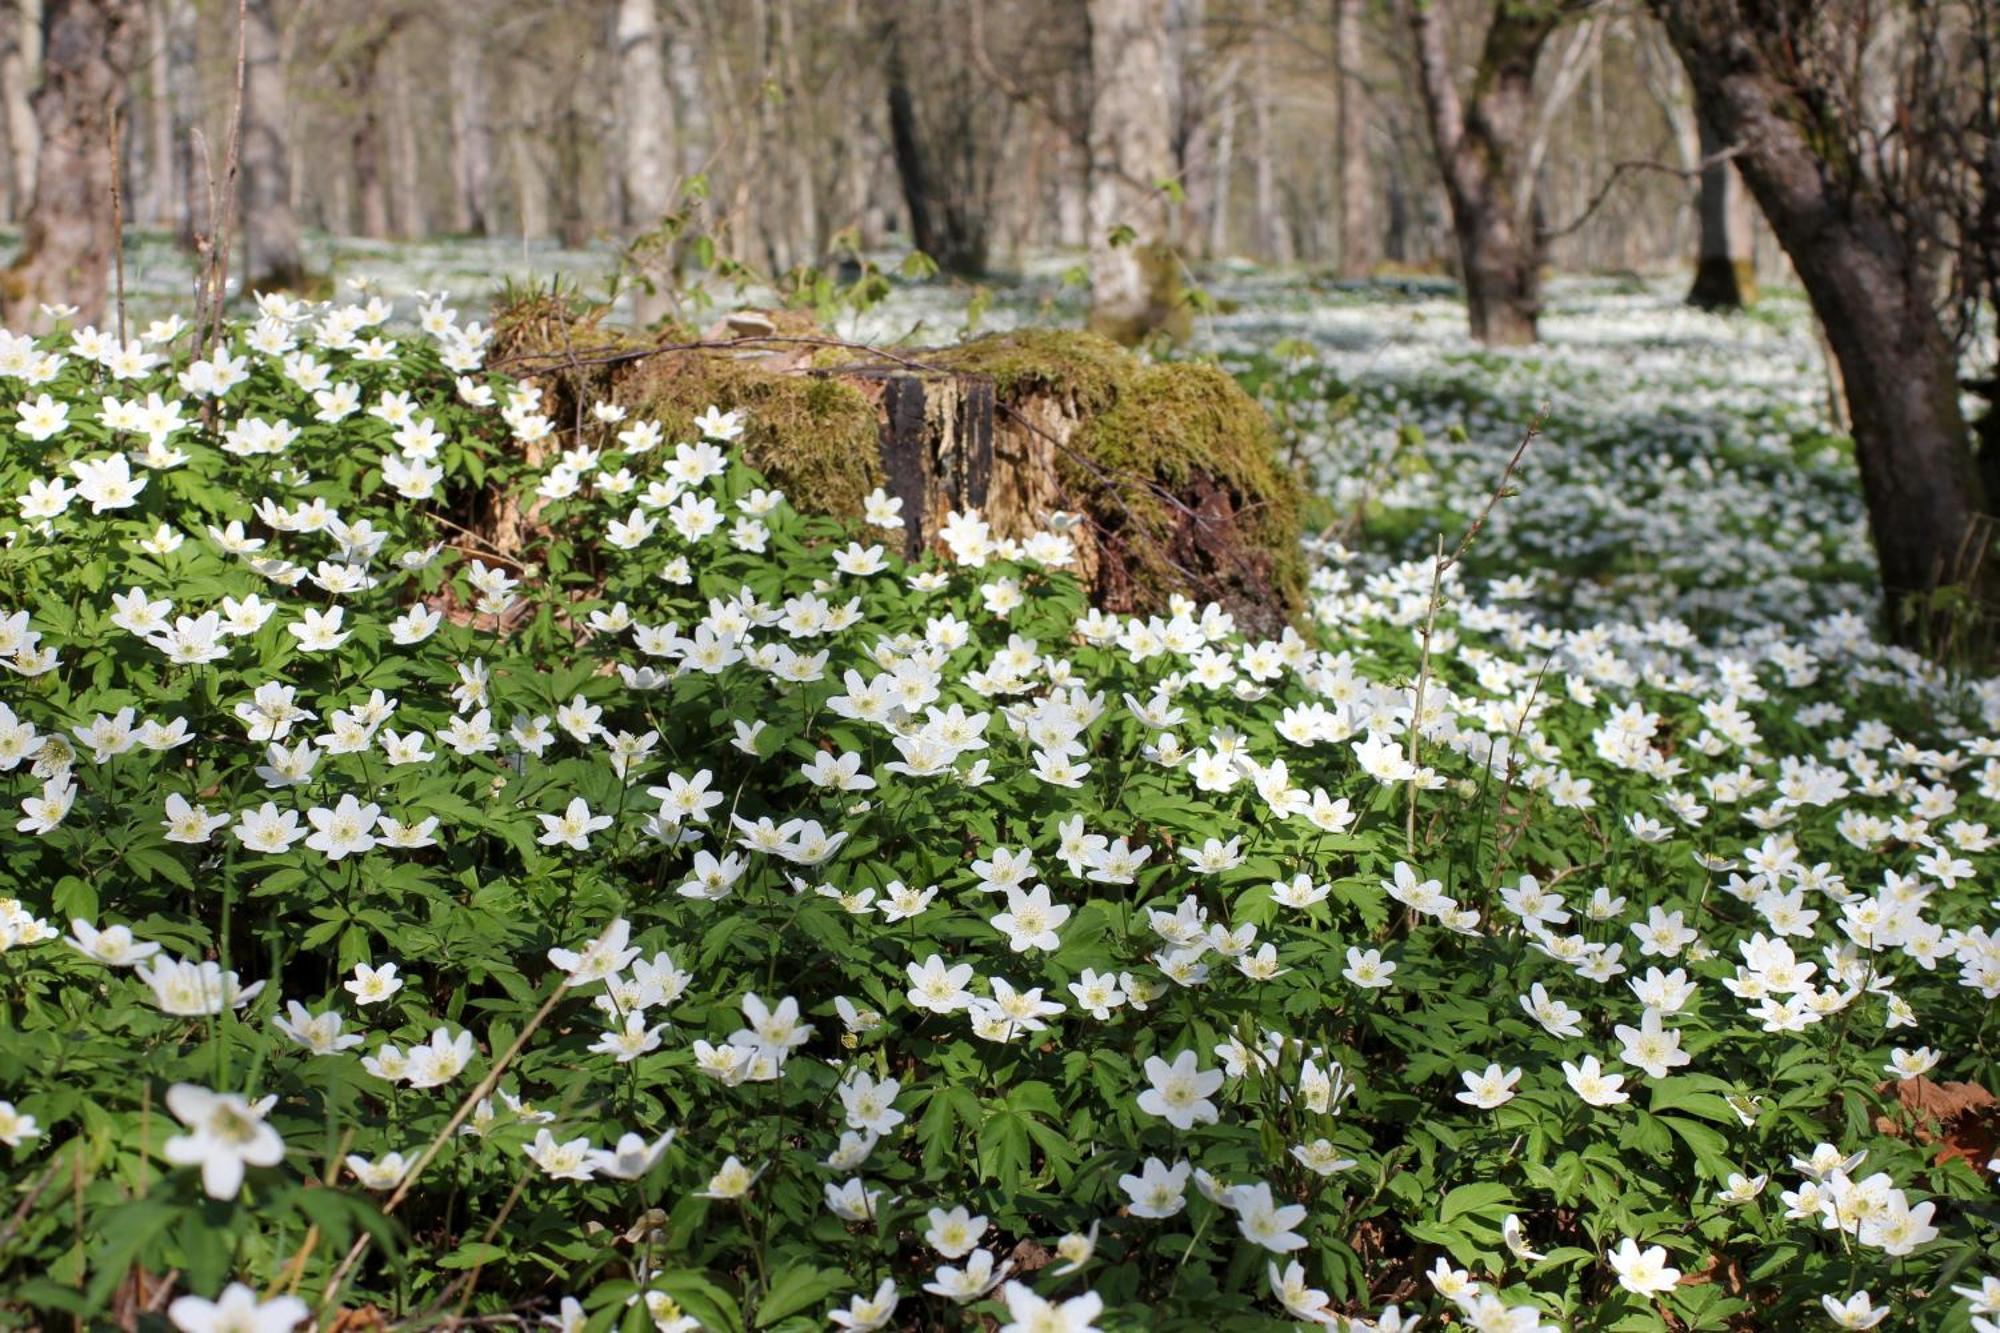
[1176,465]
[814,437]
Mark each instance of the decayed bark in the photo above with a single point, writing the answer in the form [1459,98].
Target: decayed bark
[1481,142]
[68,239]
[1134,270]
[1350,139]
[1872,294]
[270,227]
[1725,269]
[20,69]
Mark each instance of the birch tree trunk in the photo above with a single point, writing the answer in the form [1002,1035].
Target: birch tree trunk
[1725,268]
[20,70]
[646,156]
[1354,190]
[270,227]
[1134,270]
[68,240]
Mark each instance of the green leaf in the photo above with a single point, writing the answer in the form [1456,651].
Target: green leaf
[797,1288]
[1482,1196]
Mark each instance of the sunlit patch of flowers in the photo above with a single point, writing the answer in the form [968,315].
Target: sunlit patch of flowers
[701,917]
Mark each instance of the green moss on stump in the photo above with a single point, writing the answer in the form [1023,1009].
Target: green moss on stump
[814,437]
[1173,463]
[1176,465]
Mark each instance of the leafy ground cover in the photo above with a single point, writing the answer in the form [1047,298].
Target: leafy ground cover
[705,919]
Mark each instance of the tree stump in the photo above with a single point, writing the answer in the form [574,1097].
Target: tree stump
[1169,470]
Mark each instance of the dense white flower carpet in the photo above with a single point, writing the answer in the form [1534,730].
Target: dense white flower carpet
[702,918]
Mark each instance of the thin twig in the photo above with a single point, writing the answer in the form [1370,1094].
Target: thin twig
[1620,170]
[118,218]
[223,240]
[1440,564]
[482,1089]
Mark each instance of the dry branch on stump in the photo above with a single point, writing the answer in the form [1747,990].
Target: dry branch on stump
[1170,467]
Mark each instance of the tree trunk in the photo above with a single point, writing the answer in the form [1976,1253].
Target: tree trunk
[270,227]
[20,71]
[368,151]
[1725,269]
[1358,250]
[946,222]
[184,81]
[471,134]
[1481,144]
[405,161]
[1274,239]
[1925,502]
[68,240]
[162,174]
[1224,186]
[646,160]
[531,185]
[1135,289]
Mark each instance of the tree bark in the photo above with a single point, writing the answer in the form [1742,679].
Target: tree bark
[1872,295]
[360,80]
[68,240]
[184,83]
[162,175]
[948,217]
[471,134]
[1358,248]
[1135,289]
[405,160]
[1725,269]
[646,160]
[1274,238]
[270,227]
[20,70]
[1481,142]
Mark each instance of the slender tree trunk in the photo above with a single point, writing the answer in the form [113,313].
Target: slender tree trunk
[20,71]
[184,81]
[157,203]
[646,156]
[1355,192]
[270,227]
[371,187]
[1872,296]
[405,161]
[1725,270]
[1481,144]
[946,219]
[531,184]
[1225,166]
[1274,238]
[1134,270]
[68,240]
[471,133]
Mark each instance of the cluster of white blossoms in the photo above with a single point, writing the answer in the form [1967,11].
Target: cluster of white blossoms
[1177,900]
